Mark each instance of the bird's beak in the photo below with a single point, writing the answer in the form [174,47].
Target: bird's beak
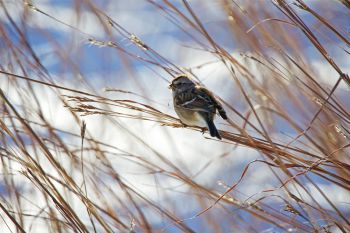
[171,86]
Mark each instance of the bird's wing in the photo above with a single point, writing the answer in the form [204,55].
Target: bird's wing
[208,96]
[200,99]
[193,101]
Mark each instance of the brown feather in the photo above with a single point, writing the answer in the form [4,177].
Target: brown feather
[195,105]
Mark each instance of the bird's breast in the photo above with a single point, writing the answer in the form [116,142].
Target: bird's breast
[189,117]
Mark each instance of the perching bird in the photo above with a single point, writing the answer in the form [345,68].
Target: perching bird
[195,105]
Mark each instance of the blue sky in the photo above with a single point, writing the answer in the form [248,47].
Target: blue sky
[68,56]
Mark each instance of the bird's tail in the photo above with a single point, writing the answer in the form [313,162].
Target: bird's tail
[221,112]
[212,130]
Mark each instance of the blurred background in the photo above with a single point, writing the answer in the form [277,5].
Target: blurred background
[90,141]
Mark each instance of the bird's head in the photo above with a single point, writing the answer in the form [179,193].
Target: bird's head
[181,82]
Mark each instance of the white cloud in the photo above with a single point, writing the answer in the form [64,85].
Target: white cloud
[187,149]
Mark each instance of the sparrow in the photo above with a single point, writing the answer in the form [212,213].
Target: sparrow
[195,105]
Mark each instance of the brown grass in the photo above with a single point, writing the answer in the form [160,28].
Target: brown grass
[67,180]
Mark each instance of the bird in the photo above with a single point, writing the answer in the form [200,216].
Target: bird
[195,105]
